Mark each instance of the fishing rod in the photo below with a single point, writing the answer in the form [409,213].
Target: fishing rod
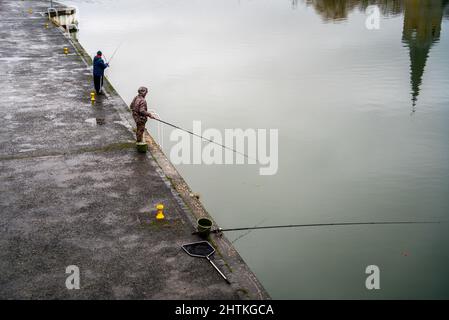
[219,230]
[209,140]
[115,51]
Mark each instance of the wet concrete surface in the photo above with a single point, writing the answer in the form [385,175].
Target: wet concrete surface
[74,191]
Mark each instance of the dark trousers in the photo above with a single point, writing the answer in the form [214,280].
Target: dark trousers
[98,83]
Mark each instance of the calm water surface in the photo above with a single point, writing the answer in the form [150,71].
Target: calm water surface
[362,118]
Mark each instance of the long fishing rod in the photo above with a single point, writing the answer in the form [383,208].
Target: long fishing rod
[209,140]
[218,230]
[115,51]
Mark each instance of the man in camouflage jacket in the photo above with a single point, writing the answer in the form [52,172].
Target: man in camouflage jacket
[140,112]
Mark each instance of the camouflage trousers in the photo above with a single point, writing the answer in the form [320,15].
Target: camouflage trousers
[140,130]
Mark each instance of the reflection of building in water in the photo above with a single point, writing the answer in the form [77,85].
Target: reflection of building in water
[294,4]
[422,27]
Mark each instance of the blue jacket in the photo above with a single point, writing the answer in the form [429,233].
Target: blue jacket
[99,66]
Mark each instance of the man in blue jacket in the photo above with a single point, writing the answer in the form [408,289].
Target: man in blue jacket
[99,67]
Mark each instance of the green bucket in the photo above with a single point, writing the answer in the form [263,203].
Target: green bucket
[142,147]
[203,226]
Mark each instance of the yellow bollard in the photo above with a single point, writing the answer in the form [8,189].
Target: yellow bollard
[66,50]
[92,97]
[30,11]
[160,212]
[46,25]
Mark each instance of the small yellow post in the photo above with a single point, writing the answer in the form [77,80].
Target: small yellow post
[46,25]
[66,50]
[30,11]
[92,97]
[160,212]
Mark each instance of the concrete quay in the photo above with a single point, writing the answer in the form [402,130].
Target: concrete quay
[74,190]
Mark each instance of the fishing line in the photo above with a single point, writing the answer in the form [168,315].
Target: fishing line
[209,140]
[248,232]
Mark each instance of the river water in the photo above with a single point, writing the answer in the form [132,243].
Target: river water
[362,116]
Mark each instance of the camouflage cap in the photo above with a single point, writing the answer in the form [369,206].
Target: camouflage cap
[142,90]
